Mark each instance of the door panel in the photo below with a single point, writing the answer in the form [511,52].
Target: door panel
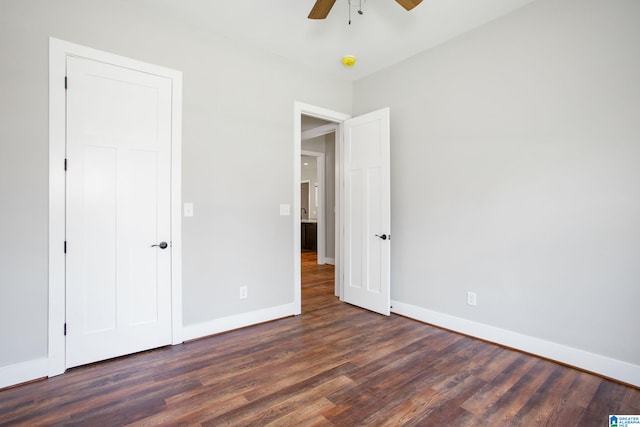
[367,211]
[99,224]
[356,271]
[374,212]
[140,202]
[118,287]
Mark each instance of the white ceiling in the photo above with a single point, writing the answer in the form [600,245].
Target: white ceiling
[384,35]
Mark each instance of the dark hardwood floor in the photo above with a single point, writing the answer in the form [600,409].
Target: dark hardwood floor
[333,365]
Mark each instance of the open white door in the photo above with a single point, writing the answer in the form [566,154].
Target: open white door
[118,287]
[367,211]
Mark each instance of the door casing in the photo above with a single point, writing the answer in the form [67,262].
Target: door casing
[58,52]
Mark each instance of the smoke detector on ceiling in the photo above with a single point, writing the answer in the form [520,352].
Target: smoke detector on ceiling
[349,60]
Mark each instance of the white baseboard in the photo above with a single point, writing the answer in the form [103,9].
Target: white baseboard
[596,363]
[23,372]
[224,324]
[331,261]
[606,366]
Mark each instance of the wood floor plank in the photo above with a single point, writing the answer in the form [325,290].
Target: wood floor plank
[505,411]
[496,366]
[548,399]
[286,400]
[631,402]
[583,389]
[598,411]
[194,410]
[487,397]
[304,415]
[446,404]
[334,365]
[408,408]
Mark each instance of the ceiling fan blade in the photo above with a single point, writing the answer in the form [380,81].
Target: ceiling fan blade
[409,4]
[321,9]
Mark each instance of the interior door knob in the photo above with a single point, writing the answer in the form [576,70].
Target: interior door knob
[383,237]
[161,245]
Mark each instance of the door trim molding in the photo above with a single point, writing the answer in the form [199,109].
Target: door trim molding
[58,52]
[319,131]
[300,109]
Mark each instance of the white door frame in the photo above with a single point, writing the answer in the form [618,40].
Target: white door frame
[58,52]
[320,234]
[335,117]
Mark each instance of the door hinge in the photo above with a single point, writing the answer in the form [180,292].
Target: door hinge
[65,164]
[65,82]
[65,246]
[65,329]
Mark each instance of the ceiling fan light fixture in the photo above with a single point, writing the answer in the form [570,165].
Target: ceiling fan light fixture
[321,8]
[349,60]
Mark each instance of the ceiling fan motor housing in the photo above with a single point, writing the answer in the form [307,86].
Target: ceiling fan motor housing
[321,8]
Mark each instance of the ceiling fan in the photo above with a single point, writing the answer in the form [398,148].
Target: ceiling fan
[322,8]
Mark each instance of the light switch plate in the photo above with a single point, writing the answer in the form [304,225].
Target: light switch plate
[285,210]
[188,209]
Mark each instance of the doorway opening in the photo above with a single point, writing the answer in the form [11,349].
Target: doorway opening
[362,204]
[313,127]
[318,205]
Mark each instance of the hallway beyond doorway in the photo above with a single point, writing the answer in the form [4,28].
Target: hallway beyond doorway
[317,280]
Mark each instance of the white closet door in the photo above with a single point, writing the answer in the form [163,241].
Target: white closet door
[118,286]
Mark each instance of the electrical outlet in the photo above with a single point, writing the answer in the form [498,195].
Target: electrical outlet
[471,298]
[244,292]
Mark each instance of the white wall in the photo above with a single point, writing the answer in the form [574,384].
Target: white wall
[237,132]
[330,195]
[515,174]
